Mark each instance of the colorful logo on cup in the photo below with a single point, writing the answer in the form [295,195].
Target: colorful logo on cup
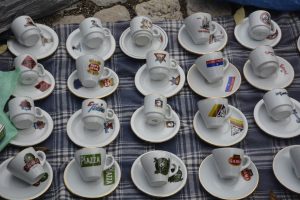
[90,160]
[94,67]
[235,160]
[146,24]
[162,166]
[265,17]
[204,27]
[107,126]
[283,69]
[39,125]
[218,110]
[30,160]
[161,57]
[158,103]
[214,63]
[43,86]
[175,80]
[29,62]
[247,174]
[176,177]
[94,24]
[106,82]
[29,22]
[95,107]
[230,84]
[25,105]
[109,176]
[237,125]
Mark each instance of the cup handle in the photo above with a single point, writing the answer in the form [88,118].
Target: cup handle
[110,114]
[42,69]
[169,112]
[106,74]
[227,64]
[173,63]
[213,30]
[273,29]
[172,164]
[106,32]
[155,33]
[107,166]
[247,163]
[42,157]
[38,112]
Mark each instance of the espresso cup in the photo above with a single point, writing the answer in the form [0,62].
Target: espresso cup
[214,111]
[90,69]
[295,159]
[157,167]
[260,25]
[200,26]
[156,109]
[92,162]
[22,112]
[25,31]
[93,34]
[263,61]
[278,104]
[142,30]
[230,162]
[30,69]
[212,66]
[159,64]
[95,113]
[27,165]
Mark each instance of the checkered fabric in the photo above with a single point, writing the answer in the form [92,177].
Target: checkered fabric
[61,104]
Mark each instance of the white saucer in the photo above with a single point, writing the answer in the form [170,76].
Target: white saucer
[87,138]
[228,86]
[38,133]
[215,45]
[283,170]
[168,87]
[94,189]
[76,48]
[298,44]
[229,134]
[239,188]
[282,78]
[140,180]
[39,50]
[286,128]
[131,50]
[241,35]
[14,188]
[155,134]
[42,89]
[104,88]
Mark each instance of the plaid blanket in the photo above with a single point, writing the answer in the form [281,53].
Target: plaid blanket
[126,99]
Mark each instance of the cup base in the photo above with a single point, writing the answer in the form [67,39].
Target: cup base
[23,121]
[154,118]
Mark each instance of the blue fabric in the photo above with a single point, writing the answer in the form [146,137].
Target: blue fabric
[61,104]
[280,5]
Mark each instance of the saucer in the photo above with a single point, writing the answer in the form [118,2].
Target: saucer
[215,44]
[75,47]
[134,51]
[41,49]
[94,189]
[168,87]
[38,133]
[238,188]
[155,134]
[174,185]
[14,188]
[229,134]
[88,138]
[282,78]
[42,89]
[286,128]
[283,170]
[104,88]
[241,35]
[298,44]
[228,86]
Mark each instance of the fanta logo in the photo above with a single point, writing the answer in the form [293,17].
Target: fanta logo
[235,160]
[161,57]
[30,160]
[28,62]
[95,107]
[94,67]
[25,105]
[247,174]
[266,18]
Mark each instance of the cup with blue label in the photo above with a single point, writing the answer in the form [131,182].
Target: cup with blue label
[212,66]
[92,162]
[95,113]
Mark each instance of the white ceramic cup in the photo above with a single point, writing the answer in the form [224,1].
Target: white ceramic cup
[260,25]
[159,64]
[93,34]
[27,165]
[22,112]
[92,162]
[230,162]
[295,159]
[95,113]
[30,69]
[156,109]
[263,61]
[142,30]
[25,31]
[90,69]
[214,111]
[200,26]
[212,66]
[278,104]
[157,166]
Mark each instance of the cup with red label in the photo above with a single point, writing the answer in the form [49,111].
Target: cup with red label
[230,162]
[90,70]
[27,165]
